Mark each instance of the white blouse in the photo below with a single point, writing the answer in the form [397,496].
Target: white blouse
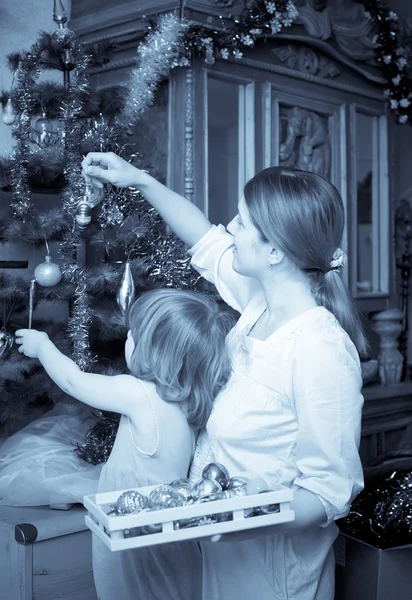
[291,413]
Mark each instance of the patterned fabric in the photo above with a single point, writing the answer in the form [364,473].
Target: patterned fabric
[290,413]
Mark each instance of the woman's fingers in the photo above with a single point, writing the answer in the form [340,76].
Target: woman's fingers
[96,158]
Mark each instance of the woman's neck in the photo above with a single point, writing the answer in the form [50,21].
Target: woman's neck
[287,298]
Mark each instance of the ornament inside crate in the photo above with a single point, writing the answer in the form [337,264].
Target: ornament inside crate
[184,510]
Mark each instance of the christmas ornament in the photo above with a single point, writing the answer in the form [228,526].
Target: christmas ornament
[93,195]
[130,501]
[195,522]
[126,292]
[83,215]
[6,343]
[185,488]
[31,301]
[47,273]
[151,528]
[237,481]
[217,472]
[224,495]
[59,14]
[267,510]
[9,115]
[62,38]
[165,496]
[256,485]
[44,133]
[205,487]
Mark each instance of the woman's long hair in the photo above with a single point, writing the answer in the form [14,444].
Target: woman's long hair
[302,213]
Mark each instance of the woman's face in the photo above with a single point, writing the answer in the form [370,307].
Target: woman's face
[250,254]
[128,349]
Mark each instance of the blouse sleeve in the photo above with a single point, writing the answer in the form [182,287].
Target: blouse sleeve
[328,401]
[212,257]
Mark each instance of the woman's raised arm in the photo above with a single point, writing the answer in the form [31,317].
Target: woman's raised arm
[183,217]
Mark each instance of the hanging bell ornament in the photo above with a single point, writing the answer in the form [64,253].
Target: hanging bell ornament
[9,115]
[83,215]
[47,273]
[126,292]
[6,343]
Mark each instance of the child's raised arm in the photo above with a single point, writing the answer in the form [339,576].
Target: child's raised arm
[183,217]
[115,394]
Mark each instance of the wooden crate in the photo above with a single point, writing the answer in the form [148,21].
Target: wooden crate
[45,554]
[111,528]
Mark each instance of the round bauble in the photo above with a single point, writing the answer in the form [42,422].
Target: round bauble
[205,487]
[185,488]
[164,496]
[47,273]
[218,472]
[130,501]
[256,485]
[62,38]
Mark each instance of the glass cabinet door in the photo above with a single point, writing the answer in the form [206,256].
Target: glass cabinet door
[229,143]
[370,203]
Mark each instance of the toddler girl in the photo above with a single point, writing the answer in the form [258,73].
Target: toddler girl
[176,354]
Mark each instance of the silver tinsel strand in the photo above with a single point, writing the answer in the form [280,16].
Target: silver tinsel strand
[155,58]
[79,324]
[23,101]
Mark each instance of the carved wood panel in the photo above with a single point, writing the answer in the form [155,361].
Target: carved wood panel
[305,141]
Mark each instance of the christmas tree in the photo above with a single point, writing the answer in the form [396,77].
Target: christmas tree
[54,126]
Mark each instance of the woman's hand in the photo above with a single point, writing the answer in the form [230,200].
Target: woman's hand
[30,341]
[107,167]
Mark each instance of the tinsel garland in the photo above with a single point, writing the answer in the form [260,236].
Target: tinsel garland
[392,58]
[155,58]
[23,100]
[79,319]
[258,19]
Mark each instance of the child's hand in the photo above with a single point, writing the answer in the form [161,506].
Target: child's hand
[107,167]
[30,341]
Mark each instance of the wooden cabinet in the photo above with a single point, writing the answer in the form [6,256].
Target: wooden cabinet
[45,554]
[310,97]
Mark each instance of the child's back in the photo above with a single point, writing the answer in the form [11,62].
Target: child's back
[157,449]
[162,571]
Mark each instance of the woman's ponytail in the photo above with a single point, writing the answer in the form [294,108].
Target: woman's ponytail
[332,292]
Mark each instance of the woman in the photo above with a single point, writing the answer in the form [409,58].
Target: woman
[291,410]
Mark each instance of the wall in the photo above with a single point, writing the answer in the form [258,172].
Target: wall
[20,24]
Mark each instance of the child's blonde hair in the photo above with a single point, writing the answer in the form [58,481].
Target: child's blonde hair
[179,339]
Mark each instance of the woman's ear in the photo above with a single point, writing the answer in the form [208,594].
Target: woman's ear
[275,256]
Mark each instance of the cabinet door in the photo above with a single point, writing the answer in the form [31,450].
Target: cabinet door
[369,198]
[229,143]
